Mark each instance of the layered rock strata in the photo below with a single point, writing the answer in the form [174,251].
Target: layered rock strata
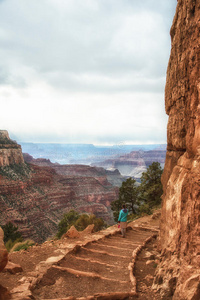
[10,151]
[35,197]
[38,203]
[104,176]
[178,275]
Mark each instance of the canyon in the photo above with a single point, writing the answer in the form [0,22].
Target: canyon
[35,197]
[85,154]
[113,176]
[133,164]
[178,273]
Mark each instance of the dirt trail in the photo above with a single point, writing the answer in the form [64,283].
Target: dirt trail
[98,266]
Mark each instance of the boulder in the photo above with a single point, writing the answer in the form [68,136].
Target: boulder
[3,252]
[89,229]
[13,268]
[72,233]
[4,293]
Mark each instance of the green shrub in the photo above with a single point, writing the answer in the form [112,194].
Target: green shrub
[79,221]
[142,199]
[10,244]
[10,232]
[84,220]
[22,245]
[67,221]
[144,209]
[16,171]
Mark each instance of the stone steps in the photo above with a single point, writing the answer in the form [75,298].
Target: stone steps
[100,269]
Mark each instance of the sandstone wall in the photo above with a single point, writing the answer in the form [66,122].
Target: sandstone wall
[179,271]
[3,252]
[10,151]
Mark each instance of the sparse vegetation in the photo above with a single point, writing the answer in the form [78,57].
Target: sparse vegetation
[13,239]
[10,244]
[16,171]
[128,193]
[84,220]
[67,221]
[11,232]
[22,245]
[6,141]
[80,222]
[142,199]
[151,187]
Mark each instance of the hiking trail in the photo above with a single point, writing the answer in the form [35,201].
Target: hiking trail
[96,266]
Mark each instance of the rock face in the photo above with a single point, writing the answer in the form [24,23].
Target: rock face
[10,151]
[179,272]
[3,252]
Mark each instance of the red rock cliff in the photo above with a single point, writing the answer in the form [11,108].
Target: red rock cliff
[178,275]
[10,151]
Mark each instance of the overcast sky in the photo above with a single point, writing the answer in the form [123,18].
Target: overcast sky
[84,71]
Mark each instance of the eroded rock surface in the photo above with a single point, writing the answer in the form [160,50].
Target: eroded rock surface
[4,294]
[10,151]
[178,274]
[3,252]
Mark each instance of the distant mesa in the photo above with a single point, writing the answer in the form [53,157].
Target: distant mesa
[135,163]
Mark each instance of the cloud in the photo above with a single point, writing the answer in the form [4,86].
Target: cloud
[76,62]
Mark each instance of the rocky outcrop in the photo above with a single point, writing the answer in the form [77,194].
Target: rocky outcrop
[179,272]
[74,233]
[3,252]
[10,151]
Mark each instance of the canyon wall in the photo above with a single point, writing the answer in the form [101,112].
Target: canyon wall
[35,197]
[10,151]
[36,204]
[178,275]
[112,176]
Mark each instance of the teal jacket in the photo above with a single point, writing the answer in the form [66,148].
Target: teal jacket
[123,215]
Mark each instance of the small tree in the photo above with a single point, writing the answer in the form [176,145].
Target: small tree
[79,221]
[11,232]
[128,194]
[84,220]
[151,187]
[67,221]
